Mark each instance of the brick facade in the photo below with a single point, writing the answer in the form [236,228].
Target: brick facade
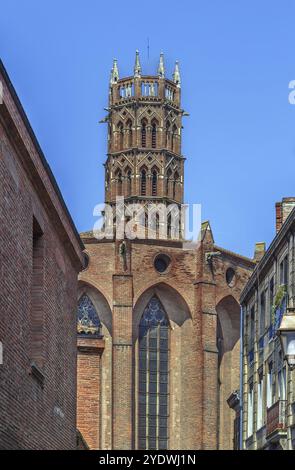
[199,291]
[40,256]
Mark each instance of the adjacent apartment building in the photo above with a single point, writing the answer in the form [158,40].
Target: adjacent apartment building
[267,383]
[40,257]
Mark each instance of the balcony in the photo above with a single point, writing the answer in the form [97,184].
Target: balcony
[276,419]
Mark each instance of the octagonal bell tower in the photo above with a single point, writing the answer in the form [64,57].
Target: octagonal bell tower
[144,162]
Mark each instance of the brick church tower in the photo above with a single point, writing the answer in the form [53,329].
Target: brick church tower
[158,324]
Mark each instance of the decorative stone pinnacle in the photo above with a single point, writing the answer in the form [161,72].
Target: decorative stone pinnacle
[137,66]
[161,68]
[114,73]
[176,74]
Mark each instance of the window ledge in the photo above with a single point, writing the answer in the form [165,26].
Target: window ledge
[37,374]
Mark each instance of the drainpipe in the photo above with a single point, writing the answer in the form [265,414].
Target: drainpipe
[241,376]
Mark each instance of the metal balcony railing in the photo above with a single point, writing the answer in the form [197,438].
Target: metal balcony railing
[276,418]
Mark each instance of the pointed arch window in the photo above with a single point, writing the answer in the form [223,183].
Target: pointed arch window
[153,391]
[174,137]
[129,133]
[168,178]
[120,136]
[154,135]
[167,143]
[143,182]
[175,181]
[154,182]
[169,226]
[143,134]
[119,183]
[88,322]
[129,182]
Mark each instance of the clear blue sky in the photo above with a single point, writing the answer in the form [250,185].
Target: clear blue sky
[236,58]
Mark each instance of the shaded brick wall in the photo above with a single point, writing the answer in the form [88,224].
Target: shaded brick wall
[37,409]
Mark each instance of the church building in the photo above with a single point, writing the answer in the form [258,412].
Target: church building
[158,322]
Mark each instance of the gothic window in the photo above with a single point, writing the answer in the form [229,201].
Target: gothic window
[154,182]
[153,394]
[168,177]
[169,226]
[175,180]
[143,134]
[88,322]
[154,135]
[174,134]
[129,133]
[143,182]
[129,182]
[119,183]
[167,134]
[120,136]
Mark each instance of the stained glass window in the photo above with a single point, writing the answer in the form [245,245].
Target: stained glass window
[88,322]
[153,393]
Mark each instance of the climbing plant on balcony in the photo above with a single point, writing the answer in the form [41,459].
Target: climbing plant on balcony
[278,300]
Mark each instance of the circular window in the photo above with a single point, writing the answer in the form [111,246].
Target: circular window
[162,263]
[85,261]
[230,276]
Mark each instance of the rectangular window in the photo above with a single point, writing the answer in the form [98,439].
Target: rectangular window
[262,314]
[260,401]
[37,297]
[271,299]
[250,409]
[269,385]
[282,383]
[252,328]
[284,268]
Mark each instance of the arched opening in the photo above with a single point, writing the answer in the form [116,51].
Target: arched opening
[119,179]
[129,181]
[94,371]
[143,133]
[175,181]
[162,327]
[88,321]
[154,182]
[169,226]
[174,139]
[168,179]
[167,142]
[154,134]
[129,133]
[227,342]
[153,377]
[120,136]
[143,182]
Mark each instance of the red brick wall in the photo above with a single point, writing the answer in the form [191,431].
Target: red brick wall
[89,390]
[35,413]
[192,291]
